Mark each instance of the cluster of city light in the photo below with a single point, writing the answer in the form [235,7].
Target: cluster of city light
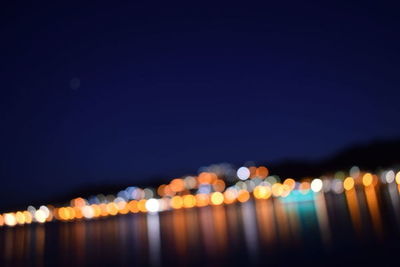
[205,189]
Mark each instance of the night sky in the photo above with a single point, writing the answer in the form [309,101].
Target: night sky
[94,94]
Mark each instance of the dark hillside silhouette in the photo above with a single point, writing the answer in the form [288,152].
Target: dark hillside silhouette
[372,156]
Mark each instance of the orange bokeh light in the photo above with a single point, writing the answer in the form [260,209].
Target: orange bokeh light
[291,183]
[202,200]
[133,206]
[243,196]
[262,172]
[206,177]
[367,179]
[177,185]
[218,185]
[229,197]
[142,205]
[189,201]
[161,190]
[176,202]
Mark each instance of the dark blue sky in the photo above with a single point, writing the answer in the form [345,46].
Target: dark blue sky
[166,89]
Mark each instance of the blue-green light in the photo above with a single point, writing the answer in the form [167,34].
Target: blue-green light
[297,196]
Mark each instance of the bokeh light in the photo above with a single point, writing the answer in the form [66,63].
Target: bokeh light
[152,205]
[243,173]
[316,185]
[348,183]
[217,198]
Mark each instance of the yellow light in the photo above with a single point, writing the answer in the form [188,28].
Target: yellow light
[40,216]
[142,205]
[67,213]
[112,208]
[179,190]
[262,192]
[189,201]
[71,212]
[9,219]
[176,202]
[277,189]
[348,183]
[243,196]
[62,214]
[19,217]
[96,210]
[367,179]
[291,183]
[28,216]
[398,178]
[217,198]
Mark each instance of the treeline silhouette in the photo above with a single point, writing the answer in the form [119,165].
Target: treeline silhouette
[376,155]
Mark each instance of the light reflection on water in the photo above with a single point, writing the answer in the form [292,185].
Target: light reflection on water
[273,231]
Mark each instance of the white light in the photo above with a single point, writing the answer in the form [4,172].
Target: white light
[250,185]
[45,210]
[190,182]
[243,173]
[40,216]
[354,172]
[148,193]
[337,186]
[390,177]
[32,210]
[88,212]
[137,193]
[152,205]
[316,185]
[271,180]
[326,184]
[204,189]
[9,219]
[164,204]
